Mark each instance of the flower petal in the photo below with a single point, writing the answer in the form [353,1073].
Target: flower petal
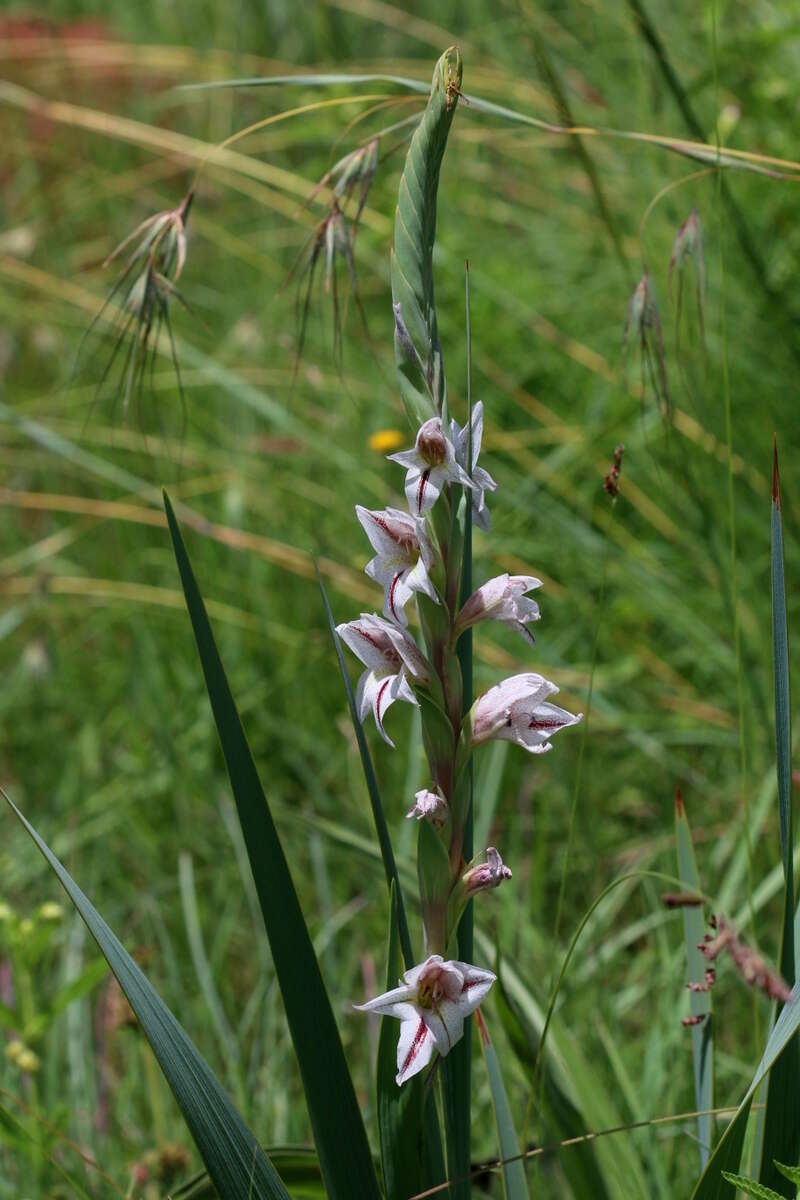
[395,1003]
[414,1049]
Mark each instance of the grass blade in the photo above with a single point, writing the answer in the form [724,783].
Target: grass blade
[515,1186]
[387,854]
[562,1121]
[782,1113]
[699,1002]
[339,1134]
[236,1163]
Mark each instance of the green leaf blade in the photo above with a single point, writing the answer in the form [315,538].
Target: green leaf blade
[781,1130]
[236,1163]
[515,1185]
[339,1133]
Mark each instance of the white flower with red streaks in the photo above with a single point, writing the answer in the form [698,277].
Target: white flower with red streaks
[404,556]
[431,1002]
[391,657]
[517,710]
[502,599]
[482,481]
[429,466]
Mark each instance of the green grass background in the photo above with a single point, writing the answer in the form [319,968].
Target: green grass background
[107,740]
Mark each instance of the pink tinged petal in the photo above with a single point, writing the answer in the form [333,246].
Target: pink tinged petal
[369,639]
[414,1049]
[498,710]
[390,531]
[411,976]
[430,806]
[487,875]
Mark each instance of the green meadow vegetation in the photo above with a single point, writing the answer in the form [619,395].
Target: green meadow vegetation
[587,135]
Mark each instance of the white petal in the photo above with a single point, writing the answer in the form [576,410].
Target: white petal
[395,1003]
[414,1049]
[410,653]
[446,1023]
[422,489]
[408,458]
[477,432]
[368,639]
[383,697]
[477,982]
[365,690]
[418,580]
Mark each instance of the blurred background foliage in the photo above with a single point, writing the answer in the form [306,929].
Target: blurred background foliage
[107,739]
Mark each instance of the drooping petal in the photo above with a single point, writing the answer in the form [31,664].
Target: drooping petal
[383,697]
[414,1048]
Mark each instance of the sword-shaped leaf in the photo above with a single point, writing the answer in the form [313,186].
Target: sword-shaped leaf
[236,1163]
[339,1134]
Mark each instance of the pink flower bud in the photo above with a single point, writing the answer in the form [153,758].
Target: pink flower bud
[486,875]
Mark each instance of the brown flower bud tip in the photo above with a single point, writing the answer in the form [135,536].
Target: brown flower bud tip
[681,900]
[698,1020]
[431,442]
[679,810]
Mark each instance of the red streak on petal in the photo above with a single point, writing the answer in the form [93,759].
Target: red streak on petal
[392,589]
[407,541]
[416,1046]
[423,480]
[378,699]
[546,723]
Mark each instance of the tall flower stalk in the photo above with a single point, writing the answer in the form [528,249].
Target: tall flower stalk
[423,557]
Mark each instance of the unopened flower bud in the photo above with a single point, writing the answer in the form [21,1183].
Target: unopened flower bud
[486,875]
